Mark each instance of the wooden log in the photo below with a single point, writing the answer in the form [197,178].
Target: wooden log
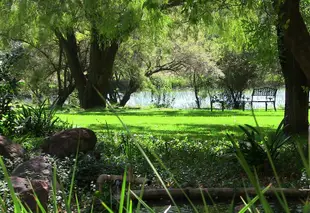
[218,194]
[106,178]
[110,178]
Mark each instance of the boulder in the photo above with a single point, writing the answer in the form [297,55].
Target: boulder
[37,168]
[25,188]
[65,143]
[9,149]
[36,172]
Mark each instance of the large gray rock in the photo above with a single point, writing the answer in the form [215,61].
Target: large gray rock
[9,149]
[37,168]
[65,143]
[25,190]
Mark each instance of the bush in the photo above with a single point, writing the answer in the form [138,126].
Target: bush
[38,121]
[255,145]
[8,90]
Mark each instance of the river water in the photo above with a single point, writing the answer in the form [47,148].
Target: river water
[186,100]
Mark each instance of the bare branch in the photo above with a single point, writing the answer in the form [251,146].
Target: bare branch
[173,66]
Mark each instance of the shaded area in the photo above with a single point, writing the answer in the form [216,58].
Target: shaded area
[220,194]
[191,131]
[194,163]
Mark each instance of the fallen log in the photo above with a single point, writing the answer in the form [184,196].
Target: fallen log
[218,194]
[130,178]
[106,178]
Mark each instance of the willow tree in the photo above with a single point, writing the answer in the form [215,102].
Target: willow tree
[104,24]
[294,52]
[274,27]
[285,22]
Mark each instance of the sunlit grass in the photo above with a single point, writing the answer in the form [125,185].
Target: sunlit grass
[171,123]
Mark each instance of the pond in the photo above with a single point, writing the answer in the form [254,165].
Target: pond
[186,100]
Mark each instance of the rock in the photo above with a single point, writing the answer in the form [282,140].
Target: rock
[65,143]
[25,189]
[36,172]
[9,149]
[35,169]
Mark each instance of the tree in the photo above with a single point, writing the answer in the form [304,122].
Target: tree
[293,45]
[104,24]
[45,72]
[239,22]
[283,21]
[294,68]
[240,73]
[136,62]
[200,71]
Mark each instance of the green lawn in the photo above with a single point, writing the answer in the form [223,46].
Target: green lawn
[208,162]
[171,123]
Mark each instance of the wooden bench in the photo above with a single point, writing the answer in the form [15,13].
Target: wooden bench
[223,99]
[262,95]
[219,98]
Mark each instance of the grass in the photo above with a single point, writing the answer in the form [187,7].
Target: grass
[203,163]
[172,123]
[177,129]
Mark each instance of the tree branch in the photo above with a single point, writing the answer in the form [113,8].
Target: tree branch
[170,66]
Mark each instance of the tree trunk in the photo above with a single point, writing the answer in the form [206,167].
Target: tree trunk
[71,49]
[295,32]
[234,98]
[63,95]
[64,90]
[197,98]
[296,99]
[196,90]
[102,57]
[58,71]
[133,87]
[237,96]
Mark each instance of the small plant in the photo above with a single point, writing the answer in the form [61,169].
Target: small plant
[38,121]
[255,145]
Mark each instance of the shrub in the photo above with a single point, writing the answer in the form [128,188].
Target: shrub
[38,121]
[255,145]
[8,90]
